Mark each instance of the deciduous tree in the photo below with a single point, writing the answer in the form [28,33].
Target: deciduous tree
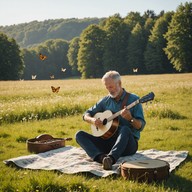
[73,54]
[11,63]
[90,54]
[156,60]
[115,45]
[135,49]
[179,38]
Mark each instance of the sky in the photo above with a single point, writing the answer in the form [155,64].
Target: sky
[24,11]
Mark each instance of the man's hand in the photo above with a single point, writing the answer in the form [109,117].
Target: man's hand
[97,122]
[126,114]
[92,120]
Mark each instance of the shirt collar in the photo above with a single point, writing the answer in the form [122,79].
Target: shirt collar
[122,96]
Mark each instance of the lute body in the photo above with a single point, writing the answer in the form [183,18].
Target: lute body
[110,120]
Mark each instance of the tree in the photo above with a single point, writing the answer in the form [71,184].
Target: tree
[58,49]
[179,39]
[114,57]
[31,61]
[73,54]
[56,58]
[35,32]
[149,14]
[132,19]
[90,53]
[156,60]
[135,49]
[11,63]
[149,23]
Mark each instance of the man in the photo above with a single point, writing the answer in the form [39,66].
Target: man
[131,122]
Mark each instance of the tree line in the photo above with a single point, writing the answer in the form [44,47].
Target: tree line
[146,44]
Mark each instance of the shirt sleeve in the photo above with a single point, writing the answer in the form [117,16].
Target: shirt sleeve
[137,113]
[98,107]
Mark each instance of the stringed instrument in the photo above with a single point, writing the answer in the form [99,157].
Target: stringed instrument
[110,120]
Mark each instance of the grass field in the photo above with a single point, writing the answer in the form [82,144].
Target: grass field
[29,108]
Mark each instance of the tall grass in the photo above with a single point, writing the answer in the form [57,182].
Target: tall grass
[29,108]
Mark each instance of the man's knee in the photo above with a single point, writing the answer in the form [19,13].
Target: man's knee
[79,135]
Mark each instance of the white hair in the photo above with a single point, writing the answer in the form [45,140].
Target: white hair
[113,75]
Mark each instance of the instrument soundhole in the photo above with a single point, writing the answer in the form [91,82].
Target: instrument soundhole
[104,121]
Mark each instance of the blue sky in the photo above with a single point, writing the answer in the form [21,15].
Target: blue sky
[21,11]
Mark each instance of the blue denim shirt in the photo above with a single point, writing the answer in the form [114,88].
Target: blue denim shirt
[109,103]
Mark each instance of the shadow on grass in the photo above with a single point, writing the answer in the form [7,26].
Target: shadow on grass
[179,183]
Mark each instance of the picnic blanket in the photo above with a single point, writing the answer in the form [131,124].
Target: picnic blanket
[72,160]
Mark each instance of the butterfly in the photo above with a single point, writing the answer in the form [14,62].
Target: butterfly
[55,89]
[135,70]
[42,57]
[33,77]
[63,70]
[52,76]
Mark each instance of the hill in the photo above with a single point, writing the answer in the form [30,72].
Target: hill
[35,32]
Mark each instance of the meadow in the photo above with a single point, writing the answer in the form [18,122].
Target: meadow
[30,108]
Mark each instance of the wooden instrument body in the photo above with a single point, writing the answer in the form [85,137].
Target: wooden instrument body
[108,130]
[110,120]
[145,170]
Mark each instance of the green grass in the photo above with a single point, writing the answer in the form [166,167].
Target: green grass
[29,108]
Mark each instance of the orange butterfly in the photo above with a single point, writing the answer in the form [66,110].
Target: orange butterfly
[55,89]
[42,57]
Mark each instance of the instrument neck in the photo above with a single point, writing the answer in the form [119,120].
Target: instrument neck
[119,112]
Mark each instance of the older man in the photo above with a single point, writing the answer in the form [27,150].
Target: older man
[124,141]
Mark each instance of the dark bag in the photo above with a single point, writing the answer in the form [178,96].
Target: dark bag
[45,142]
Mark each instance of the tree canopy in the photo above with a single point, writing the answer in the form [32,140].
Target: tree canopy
[156,60]
[91,52]
[143,44]
[11,63]
[179,38]
[35,32]
[52,67]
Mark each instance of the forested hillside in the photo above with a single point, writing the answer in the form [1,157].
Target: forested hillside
[35,32]
[135,44]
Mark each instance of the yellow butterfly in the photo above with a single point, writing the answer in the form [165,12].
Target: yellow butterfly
[63,70]
[135,70]
[33,77]
[42,57]
[55,89]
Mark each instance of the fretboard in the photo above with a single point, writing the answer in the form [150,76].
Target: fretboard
[119,112]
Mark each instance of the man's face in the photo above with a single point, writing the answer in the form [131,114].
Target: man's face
[113,87]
